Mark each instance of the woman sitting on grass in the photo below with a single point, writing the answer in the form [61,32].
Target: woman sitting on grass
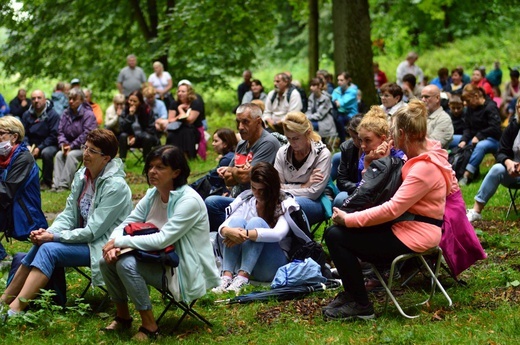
[253,231]
[99,200]
[371,235]
[180,214]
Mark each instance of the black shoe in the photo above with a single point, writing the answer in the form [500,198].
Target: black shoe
[350,311]
[340,299]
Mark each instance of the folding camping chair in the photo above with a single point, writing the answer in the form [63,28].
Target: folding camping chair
[89,283]
[434,281]
[513,191]
[186,308]
[138,155]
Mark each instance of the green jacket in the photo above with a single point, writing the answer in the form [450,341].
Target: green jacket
[112,204]
[188,229]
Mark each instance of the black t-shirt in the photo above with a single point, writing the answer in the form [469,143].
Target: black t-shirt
[197,104]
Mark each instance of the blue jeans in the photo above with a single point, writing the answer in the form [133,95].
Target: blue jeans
[3,253]
[336,158]
[455,141]
[341,122]
[489,145]
[128,277]
[56,254]
[496,176]
[339,199]
[312,209]
[216,206]
[259,259]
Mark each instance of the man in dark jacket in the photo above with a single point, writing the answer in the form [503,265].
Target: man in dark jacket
[41,133]
[20,104]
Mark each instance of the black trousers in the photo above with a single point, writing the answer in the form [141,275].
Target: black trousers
[376,244]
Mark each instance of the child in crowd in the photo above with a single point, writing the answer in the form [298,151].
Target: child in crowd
[457,118]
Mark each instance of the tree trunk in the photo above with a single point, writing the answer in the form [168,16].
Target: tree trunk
[353,46]
[313,38]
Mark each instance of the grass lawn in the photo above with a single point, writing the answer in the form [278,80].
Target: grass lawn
[486,311]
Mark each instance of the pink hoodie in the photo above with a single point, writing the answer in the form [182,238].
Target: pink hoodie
[427,179]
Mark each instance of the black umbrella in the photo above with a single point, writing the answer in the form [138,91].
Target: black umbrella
[283,293]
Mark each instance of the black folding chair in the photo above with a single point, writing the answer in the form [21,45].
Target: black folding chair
[513,191]
[186,308]
[89,284]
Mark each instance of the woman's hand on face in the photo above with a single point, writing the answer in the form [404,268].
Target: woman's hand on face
[316,177]
[234,236]
[132,109]
[338,216]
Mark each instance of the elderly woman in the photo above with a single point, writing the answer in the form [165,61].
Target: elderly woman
[20,202]
[304,165]
[113,112]
[77,120]
[162,82]
[137,126]
[482,128]
[185,121]
[99,200]
[505,172]
[376,234]
[180,213]
[391,98]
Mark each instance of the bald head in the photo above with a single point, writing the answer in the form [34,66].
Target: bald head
[431,96]
[38,101]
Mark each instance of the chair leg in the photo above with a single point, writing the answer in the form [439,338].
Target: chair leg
[89,282]
[187,310]
[512,204]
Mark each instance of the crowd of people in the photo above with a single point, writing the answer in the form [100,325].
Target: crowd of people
[280,160]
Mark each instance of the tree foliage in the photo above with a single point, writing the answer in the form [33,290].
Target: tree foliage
[204,41]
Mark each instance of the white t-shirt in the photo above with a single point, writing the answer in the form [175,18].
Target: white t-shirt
[158,214]
[159,83]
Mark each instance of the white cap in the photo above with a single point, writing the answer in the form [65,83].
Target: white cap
[75,81]
[184,82]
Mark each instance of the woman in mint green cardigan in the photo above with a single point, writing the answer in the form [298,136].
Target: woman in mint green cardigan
[175,208]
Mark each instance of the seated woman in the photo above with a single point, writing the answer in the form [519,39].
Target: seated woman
[375,235]
[391,98]
[478,79]
[20,201]
[256,92]
[319,111]
[113,112]
[181,215]
[482,128]
[253,231]
[348,161]
[456,83]
[224,142]
[304,165]
[99,200]
[185,121]
[76,122]
[505,172]
[136,126]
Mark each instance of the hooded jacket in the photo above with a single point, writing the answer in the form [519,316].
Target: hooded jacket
[73,129]
[291,179]
[42,130]
[112,203]
[427,179]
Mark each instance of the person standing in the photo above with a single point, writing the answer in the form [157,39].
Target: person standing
[409,67]
[131,78]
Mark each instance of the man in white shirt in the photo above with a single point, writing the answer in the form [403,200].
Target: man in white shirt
[409,67]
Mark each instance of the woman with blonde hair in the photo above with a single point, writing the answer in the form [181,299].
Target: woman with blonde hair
[304,165]
[162,82]
[373,132]
[376,234]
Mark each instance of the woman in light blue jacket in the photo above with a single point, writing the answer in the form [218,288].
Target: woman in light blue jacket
[99,200]
[179,212]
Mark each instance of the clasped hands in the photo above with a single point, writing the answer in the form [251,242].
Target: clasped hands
[40,236]
[234,236]
[110,251]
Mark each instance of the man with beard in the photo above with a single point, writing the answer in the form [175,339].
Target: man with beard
[281,101]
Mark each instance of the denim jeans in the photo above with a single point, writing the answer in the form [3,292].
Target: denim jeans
[489,145]
[260,259]
[455,141]
[216,206]
[336,158]
[341,123]
[56,254]
[128,277]
[496,176]
[3,253]
[339,199]
[312,209]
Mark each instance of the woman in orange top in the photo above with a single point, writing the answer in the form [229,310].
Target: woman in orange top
[373,235]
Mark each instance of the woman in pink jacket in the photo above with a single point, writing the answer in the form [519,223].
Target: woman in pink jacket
[376,235]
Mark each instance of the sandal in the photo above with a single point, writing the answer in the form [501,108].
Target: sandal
[147,333]
[119,324]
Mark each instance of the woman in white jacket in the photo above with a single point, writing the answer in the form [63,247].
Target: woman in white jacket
[254,232]
[304,165]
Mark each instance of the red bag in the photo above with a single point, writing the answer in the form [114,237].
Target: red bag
[166,256]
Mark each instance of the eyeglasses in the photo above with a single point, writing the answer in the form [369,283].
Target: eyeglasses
[386,96]
[91,151]
[425,96]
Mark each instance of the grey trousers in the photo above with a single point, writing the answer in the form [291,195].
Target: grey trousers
[65,167]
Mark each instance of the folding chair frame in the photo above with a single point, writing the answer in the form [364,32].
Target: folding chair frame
[433,275]
[89,279]
[513,191]
[185,307]
[139,158]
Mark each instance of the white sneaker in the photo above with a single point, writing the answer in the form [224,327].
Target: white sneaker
[225,281]
[237,284]
[473,215]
